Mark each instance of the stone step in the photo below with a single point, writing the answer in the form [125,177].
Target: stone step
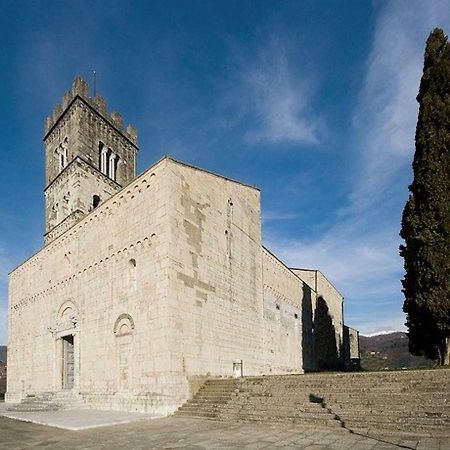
[48,402]
[197,402]
[414,402]
[343,387]
[406,412]
[33,407]
[353,402]
[239,405]
[209,393]
[386,434]
[182,412]
[373,395]
[352,384]
[206,391]
[340,390]
[343,379]
[405,427]
[218,391]
[263,418]
[369,418]
[36,399]
[374,402]
[218,397]
[341,406]
[276,410]
[319,422]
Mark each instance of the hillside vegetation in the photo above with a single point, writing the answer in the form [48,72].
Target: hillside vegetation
[3,353]
[389,351]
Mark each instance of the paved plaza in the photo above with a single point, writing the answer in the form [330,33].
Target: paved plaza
[75,419]
[181,433]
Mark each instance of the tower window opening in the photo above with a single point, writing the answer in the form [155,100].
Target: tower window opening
[56,212]
[103,151]
[116,165]
[61,153]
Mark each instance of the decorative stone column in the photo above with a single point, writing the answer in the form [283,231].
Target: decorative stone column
[104,161]
[112,166]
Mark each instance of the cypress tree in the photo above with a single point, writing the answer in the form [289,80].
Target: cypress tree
[426,217]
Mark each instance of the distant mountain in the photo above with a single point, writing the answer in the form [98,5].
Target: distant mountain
[389,351]
[3,351]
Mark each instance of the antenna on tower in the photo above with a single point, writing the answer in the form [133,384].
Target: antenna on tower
[95,83]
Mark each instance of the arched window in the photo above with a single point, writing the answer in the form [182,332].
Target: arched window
[124,325]
[103,152]
[61,153]
[67,315]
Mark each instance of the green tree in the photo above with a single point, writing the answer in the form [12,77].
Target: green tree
[426,217]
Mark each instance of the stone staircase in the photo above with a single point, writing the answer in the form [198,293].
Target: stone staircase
[48,401]
[413,403]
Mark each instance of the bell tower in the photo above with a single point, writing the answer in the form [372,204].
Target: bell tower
[89,156]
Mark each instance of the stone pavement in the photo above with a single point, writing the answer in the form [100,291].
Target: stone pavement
[183,433]
[75,419]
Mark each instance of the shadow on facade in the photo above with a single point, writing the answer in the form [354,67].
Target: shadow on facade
[2,380]
[320,351]
[309,364]
[327,357]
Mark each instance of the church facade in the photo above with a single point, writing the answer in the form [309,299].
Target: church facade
[147,285]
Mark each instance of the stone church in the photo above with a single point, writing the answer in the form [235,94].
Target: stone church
[147,285]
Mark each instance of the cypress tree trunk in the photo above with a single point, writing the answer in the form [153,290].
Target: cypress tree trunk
[445,360]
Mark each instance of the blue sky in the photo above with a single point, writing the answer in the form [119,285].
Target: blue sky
[312,101]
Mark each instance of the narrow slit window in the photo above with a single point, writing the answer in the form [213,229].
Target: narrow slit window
[95,201]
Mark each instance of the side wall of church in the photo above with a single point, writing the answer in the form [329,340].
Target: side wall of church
[215,290]
[283,294]
[104,282]
[220,312]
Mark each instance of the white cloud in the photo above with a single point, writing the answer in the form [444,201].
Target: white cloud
[386,115]
[359,252]
[278,99]
[359,265]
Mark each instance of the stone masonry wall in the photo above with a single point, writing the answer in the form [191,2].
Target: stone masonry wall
[215,291]
[283,293]
[218,310]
